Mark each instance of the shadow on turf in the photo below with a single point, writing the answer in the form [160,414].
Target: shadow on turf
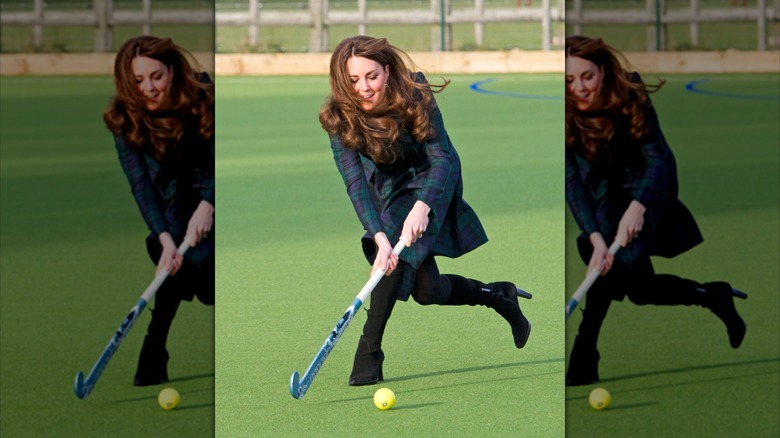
[689,369]
[192,377]
[457,371]
[417,406]
[631,406]
[676,371]
[473,369]
[170,383]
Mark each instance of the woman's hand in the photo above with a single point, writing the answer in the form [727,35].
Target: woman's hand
[169,260]
[200,223]
[631,223]
[416,223]
[600,258]
[384,255]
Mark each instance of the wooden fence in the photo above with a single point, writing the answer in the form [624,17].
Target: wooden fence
[441,16]
[657,15]
[102,18]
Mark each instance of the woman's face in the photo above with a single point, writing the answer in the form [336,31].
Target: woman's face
[153,79]
[583,79]
[368,79]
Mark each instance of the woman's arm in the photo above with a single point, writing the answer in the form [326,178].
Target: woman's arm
[579,201]
[648,187]
[435,189]
[202,219]
[351,169]
[134,166]
[439,152]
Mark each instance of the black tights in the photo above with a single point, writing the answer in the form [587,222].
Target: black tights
[642,286]
[430,287]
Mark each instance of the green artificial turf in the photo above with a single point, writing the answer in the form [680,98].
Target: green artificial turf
[73,265]
[671,370]
[290,263]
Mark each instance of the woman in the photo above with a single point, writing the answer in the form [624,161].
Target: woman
[403,177]
[621,184]
[162,118]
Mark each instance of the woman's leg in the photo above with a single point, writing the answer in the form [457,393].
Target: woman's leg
[718,297]
[644,286]
[584,357]
[453,290]
[153,360]
[367,366]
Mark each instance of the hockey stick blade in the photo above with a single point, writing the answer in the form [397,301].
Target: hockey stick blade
[300,385]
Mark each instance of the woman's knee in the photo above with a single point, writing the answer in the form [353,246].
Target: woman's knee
[638,297]
[425,298]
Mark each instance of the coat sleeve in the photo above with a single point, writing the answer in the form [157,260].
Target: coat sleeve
[436,188]
[134,166]
[648,188]
[206,175]
[578,198]
[351,169]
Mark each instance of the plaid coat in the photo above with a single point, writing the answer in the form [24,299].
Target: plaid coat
[599,192]
[384,194]
[168,193]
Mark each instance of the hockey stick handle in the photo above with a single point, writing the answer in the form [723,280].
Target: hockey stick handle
[590,278]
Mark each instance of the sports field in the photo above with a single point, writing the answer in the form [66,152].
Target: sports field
[671,371]
[73,264]
[290,263]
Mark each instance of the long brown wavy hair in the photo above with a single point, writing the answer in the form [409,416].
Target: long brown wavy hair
[187,111]
[620,106]
[406,103]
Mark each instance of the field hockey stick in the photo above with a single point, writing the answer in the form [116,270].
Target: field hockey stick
[83,387]
[299,386]
[579,294]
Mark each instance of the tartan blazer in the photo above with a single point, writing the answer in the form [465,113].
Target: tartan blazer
[168,193]
[599,192]
[384,194]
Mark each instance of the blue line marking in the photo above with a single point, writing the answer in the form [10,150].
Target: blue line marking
[477,86]
[692,87]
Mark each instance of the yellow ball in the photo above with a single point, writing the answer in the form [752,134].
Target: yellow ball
[384,399]
[168,399]
[599,399]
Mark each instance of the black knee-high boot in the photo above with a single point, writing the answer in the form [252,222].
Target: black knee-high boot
[584,357]
[499,296]
[367,365]
[153,360]
[718,297]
